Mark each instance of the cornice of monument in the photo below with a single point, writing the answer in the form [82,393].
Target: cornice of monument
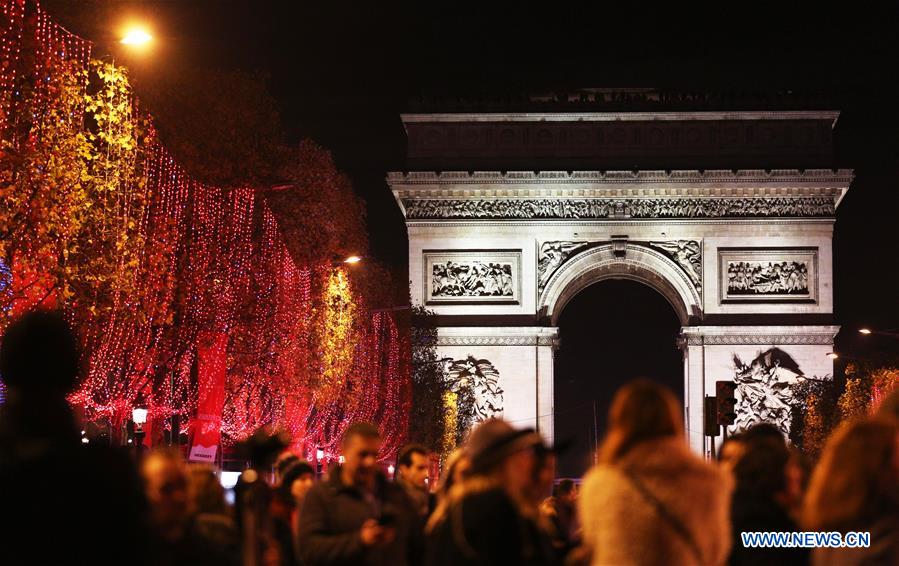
[720,178]
[461,186]
[692,116]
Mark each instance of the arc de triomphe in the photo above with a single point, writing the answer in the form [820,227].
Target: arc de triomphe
[501,238]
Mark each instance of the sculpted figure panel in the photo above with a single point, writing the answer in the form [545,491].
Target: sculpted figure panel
[773,207]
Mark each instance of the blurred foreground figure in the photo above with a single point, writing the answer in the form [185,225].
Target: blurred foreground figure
[560,509]
[180,537]
[456,469]
[296,479]
[61,501]
[357,517]
[767,492]
[856,488]
[650,500]
[491,516]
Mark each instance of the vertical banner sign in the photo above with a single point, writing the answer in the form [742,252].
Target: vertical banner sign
[211,368]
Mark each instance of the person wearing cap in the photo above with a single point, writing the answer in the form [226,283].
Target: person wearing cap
[488,518]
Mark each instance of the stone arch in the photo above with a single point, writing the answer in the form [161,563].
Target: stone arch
[632,261]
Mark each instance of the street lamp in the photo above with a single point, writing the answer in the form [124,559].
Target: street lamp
[832,355]
[890,333]
[136,36]
[349,260]
[139,416]
[319,456]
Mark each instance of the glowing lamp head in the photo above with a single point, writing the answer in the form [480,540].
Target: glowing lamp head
[390,469]
[832,355]
[139,415]
[353,259]
[864,331]
[136,37]
[319,454]
[341,459]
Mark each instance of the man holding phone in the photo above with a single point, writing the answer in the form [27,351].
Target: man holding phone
[357,516]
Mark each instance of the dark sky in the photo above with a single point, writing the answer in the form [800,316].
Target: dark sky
[343,71]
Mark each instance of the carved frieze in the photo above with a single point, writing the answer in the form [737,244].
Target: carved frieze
[687,254]
[572,208]
[467,276]
[768,274]
[552,255]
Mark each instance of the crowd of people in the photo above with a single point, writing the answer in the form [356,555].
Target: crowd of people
[648,500]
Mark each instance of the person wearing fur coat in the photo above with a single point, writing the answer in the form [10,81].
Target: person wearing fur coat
[650,500]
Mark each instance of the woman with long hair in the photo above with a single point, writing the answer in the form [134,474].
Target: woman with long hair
[856,488]
[490,516]
[650,500]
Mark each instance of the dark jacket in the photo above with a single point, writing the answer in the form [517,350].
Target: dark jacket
[333,513]
[485,528]
[753,513]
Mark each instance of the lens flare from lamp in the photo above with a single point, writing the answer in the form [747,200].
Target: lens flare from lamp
[139,415]
[136,37]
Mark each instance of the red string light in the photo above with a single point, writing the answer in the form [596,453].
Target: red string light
[214,261]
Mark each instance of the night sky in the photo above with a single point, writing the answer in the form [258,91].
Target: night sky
[343,71]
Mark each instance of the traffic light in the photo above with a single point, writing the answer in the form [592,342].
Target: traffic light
[726,401]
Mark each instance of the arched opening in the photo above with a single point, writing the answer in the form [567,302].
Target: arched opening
[610,332]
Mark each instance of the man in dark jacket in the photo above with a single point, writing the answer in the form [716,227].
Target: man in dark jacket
[357,517]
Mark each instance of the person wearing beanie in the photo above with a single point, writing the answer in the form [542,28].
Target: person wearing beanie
[486,518]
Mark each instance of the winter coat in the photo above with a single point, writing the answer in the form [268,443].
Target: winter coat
[884,549]
[482,526]
[332,517]
[621,526]
[750,512]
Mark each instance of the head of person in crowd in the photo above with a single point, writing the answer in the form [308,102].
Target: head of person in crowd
[763,430]
[566,492]
[285,460]
[544,474]
[296,481]
[360,446]
[413,466]
[641,411]
[205,492]
[732,449]
[166,487]
[39,357]
[856,482]
[505,455]
[455,471]
[762,470]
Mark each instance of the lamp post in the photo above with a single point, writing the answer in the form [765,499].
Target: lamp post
[139,416]
[349,260]
[136,36]
[868,331]
[319,455]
